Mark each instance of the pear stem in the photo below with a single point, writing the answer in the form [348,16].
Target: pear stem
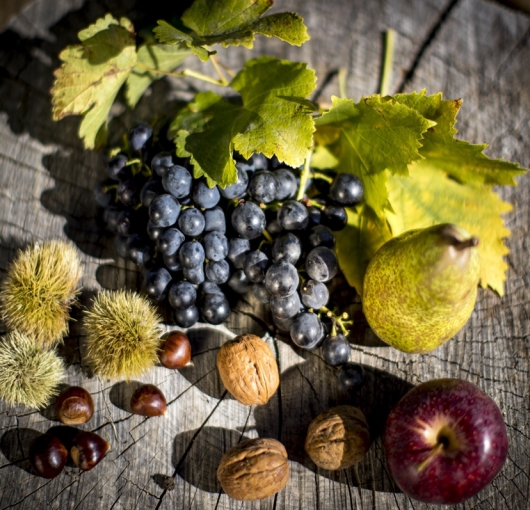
[469,243]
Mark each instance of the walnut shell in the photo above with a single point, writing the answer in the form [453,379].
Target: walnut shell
[248,369]
[254,469]
[338,438]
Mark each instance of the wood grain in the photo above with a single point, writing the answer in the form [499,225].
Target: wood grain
[472,49]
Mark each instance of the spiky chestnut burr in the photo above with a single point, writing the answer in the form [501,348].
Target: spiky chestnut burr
[30,374]
[123,335]
[41,285]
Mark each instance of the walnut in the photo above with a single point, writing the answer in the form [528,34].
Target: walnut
[254,469]
[248,369]
[338,438]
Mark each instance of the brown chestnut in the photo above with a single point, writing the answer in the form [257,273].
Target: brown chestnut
[148,400]
[88,449]
[47,455]
[176,351]
[74,406]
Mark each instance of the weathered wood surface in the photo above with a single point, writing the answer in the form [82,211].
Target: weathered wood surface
[473,49]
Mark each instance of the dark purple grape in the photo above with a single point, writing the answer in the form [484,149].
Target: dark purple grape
[217,271]
[307,330]
[116,166]
[172,262]
[239,188]
[204,196]
[261,293]
[187,317]
[161,162]
[287,184]
[274,228]
[255,267]
[156,283]
[321,264]
[321,236]
[248,220]
[315,216]
[104,193]
[153,231]
[237,251]
[314,294]
[287,247]
[347,189]
[210,288]
[191,255]
[164,210]
[182,295]
[139,135]
[170,240]
[124,224]
[111,215]
[239,283]
[194,275]
[334,217]
[215,308]
[351,376]
[282,324]
[257,161]
[177,181]
[139,249]
[293,215]
[215,246]
[214,219]
[336,350]
[151,189]
[191,222]
[263,186]
[286,307]
[121,245]
[129,192]
[282,279]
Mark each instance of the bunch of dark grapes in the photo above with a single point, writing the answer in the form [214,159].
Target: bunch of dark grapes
[196,244]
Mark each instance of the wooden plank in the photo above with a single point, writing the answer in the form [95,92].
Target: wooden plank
[469,48]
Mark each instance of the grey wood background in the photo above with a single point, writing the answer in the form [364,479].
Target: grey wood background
[472,49]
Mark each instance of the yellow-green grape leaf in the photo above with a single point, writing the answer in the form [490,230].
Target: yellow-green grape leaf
[429,197]
[274,119]
[232,23]
[463,161]
[364,234]
[92,73]
[372,136]
[160,57]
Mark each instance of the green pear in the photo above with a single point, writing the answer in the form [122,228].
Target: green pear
[420,287]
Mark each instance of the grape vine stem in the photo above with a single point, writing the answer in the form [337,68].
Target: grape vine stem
[388,62]
[184,73]
[304,176]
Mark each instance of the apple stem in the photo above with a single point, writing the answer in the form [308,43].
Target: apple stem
[439,447]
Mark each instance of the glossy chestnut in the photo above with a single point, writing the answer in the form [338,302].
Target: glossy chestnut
[88,449]
[175,352]
[47,455]
[148,400]
[74,406]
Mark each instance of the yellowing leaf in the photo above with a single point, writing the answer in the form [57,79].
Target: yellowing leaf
[231,23]
[358,243]
[371,136]
[92,74]
[274,118]
[461,160]
[429,197]
[160,57]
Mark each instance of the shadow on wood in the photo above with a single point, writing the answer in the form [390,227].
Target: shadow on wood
[15,444]
[120,394]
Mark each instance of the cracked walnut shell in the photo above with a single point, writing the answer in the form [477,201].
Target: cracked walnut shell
[338,438]
[248,369]
[254,469]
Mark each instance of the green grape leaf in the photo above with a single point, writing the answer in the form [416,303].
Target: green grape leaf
[92,74]
[429,197]
[231,23]
[461,160]
[274,118]
[161,57]
[372,136]
[357,243]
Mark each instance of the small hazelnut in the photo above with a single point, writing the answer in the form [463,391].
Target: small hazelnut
[47,455]
[338,438]
[248,369]
[254,469]
[88,449]
[148,400]
[74,406]
[176,351]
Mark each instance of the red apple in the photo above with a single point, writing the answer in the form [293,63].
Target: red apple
[445,441]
